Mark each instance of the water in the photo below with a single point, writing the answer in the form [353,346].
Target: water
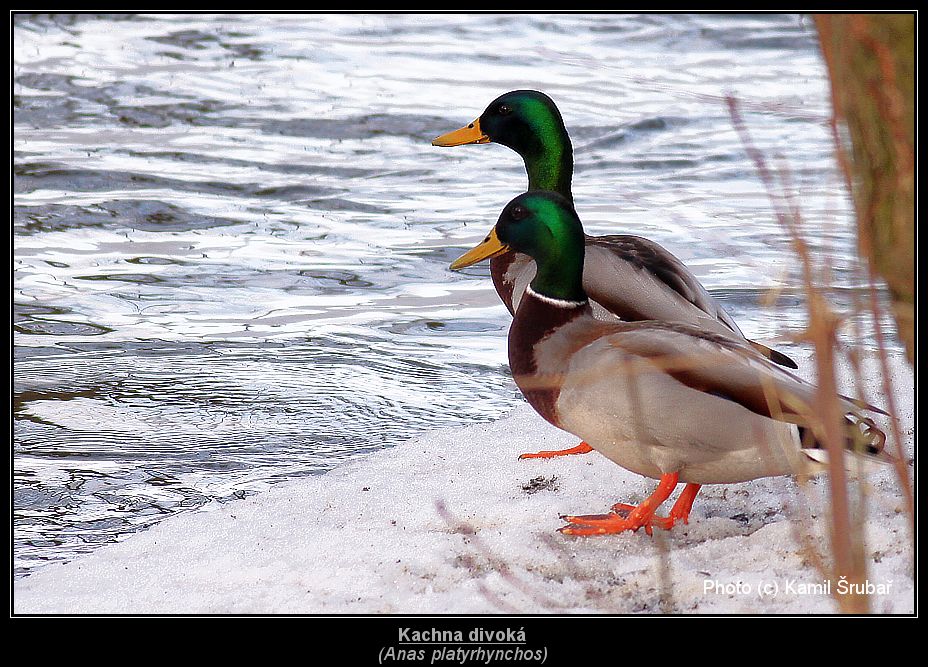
[231,233]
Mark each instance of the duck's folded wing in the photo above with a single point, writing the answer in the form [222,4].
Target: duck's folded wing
[726,368]
[637,279]
[664,288]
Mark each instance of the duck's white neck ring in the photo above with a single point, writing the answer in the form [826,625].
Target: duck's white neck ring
[560,303]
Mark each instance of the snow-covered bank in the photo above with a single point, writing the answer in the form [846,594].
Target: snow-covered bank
[452,522]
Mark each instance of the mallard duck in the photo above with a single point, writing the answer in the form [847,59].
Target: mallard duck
[668,400]
[626,276]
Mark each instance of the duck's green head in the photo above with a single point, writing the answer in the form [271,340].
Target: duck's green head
[544,226]
[528,122]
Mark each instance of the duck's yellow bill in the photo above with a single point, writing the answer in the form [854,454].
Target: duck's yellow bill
[491,246]
[469,134]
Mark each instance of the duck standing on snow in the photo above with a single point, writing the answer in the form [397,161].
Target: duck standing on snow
[626,277]
[668,400]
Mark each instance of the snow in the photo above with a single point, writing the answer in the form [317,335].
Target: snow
[453,522]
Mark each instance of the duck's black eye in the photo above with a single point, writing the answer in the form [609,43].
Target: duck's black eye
[505,109]
[518,213]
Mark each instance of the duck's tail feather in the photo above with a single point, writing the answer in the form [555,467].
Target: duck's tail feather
[774,356]
[861,437]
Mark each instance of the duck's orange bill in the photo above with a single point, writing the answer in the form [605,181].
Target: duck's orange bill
[469,134]
[491,246]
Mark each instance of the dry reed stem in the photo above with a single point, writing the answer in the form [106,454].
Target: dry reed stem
[864,237]
[822,332]
[902,473]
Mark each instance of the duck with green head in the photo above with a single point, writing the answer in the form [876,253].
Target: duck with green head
[668,400]
[626,276]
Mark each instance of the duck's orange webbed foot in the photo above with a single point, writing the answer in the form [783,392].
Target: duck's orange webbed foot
[681,509]
[595,524]
[630,517]
[582,448]
[679,512]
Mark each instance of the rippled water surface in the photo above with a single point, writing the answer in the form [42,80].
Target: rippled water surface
[231,233]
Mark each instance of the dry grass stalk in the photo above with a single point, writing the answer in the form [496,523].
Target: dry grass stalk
[847,548]
[870,59]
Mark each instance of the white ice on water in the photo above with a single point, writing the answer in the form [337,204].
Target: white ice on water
[453,522]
